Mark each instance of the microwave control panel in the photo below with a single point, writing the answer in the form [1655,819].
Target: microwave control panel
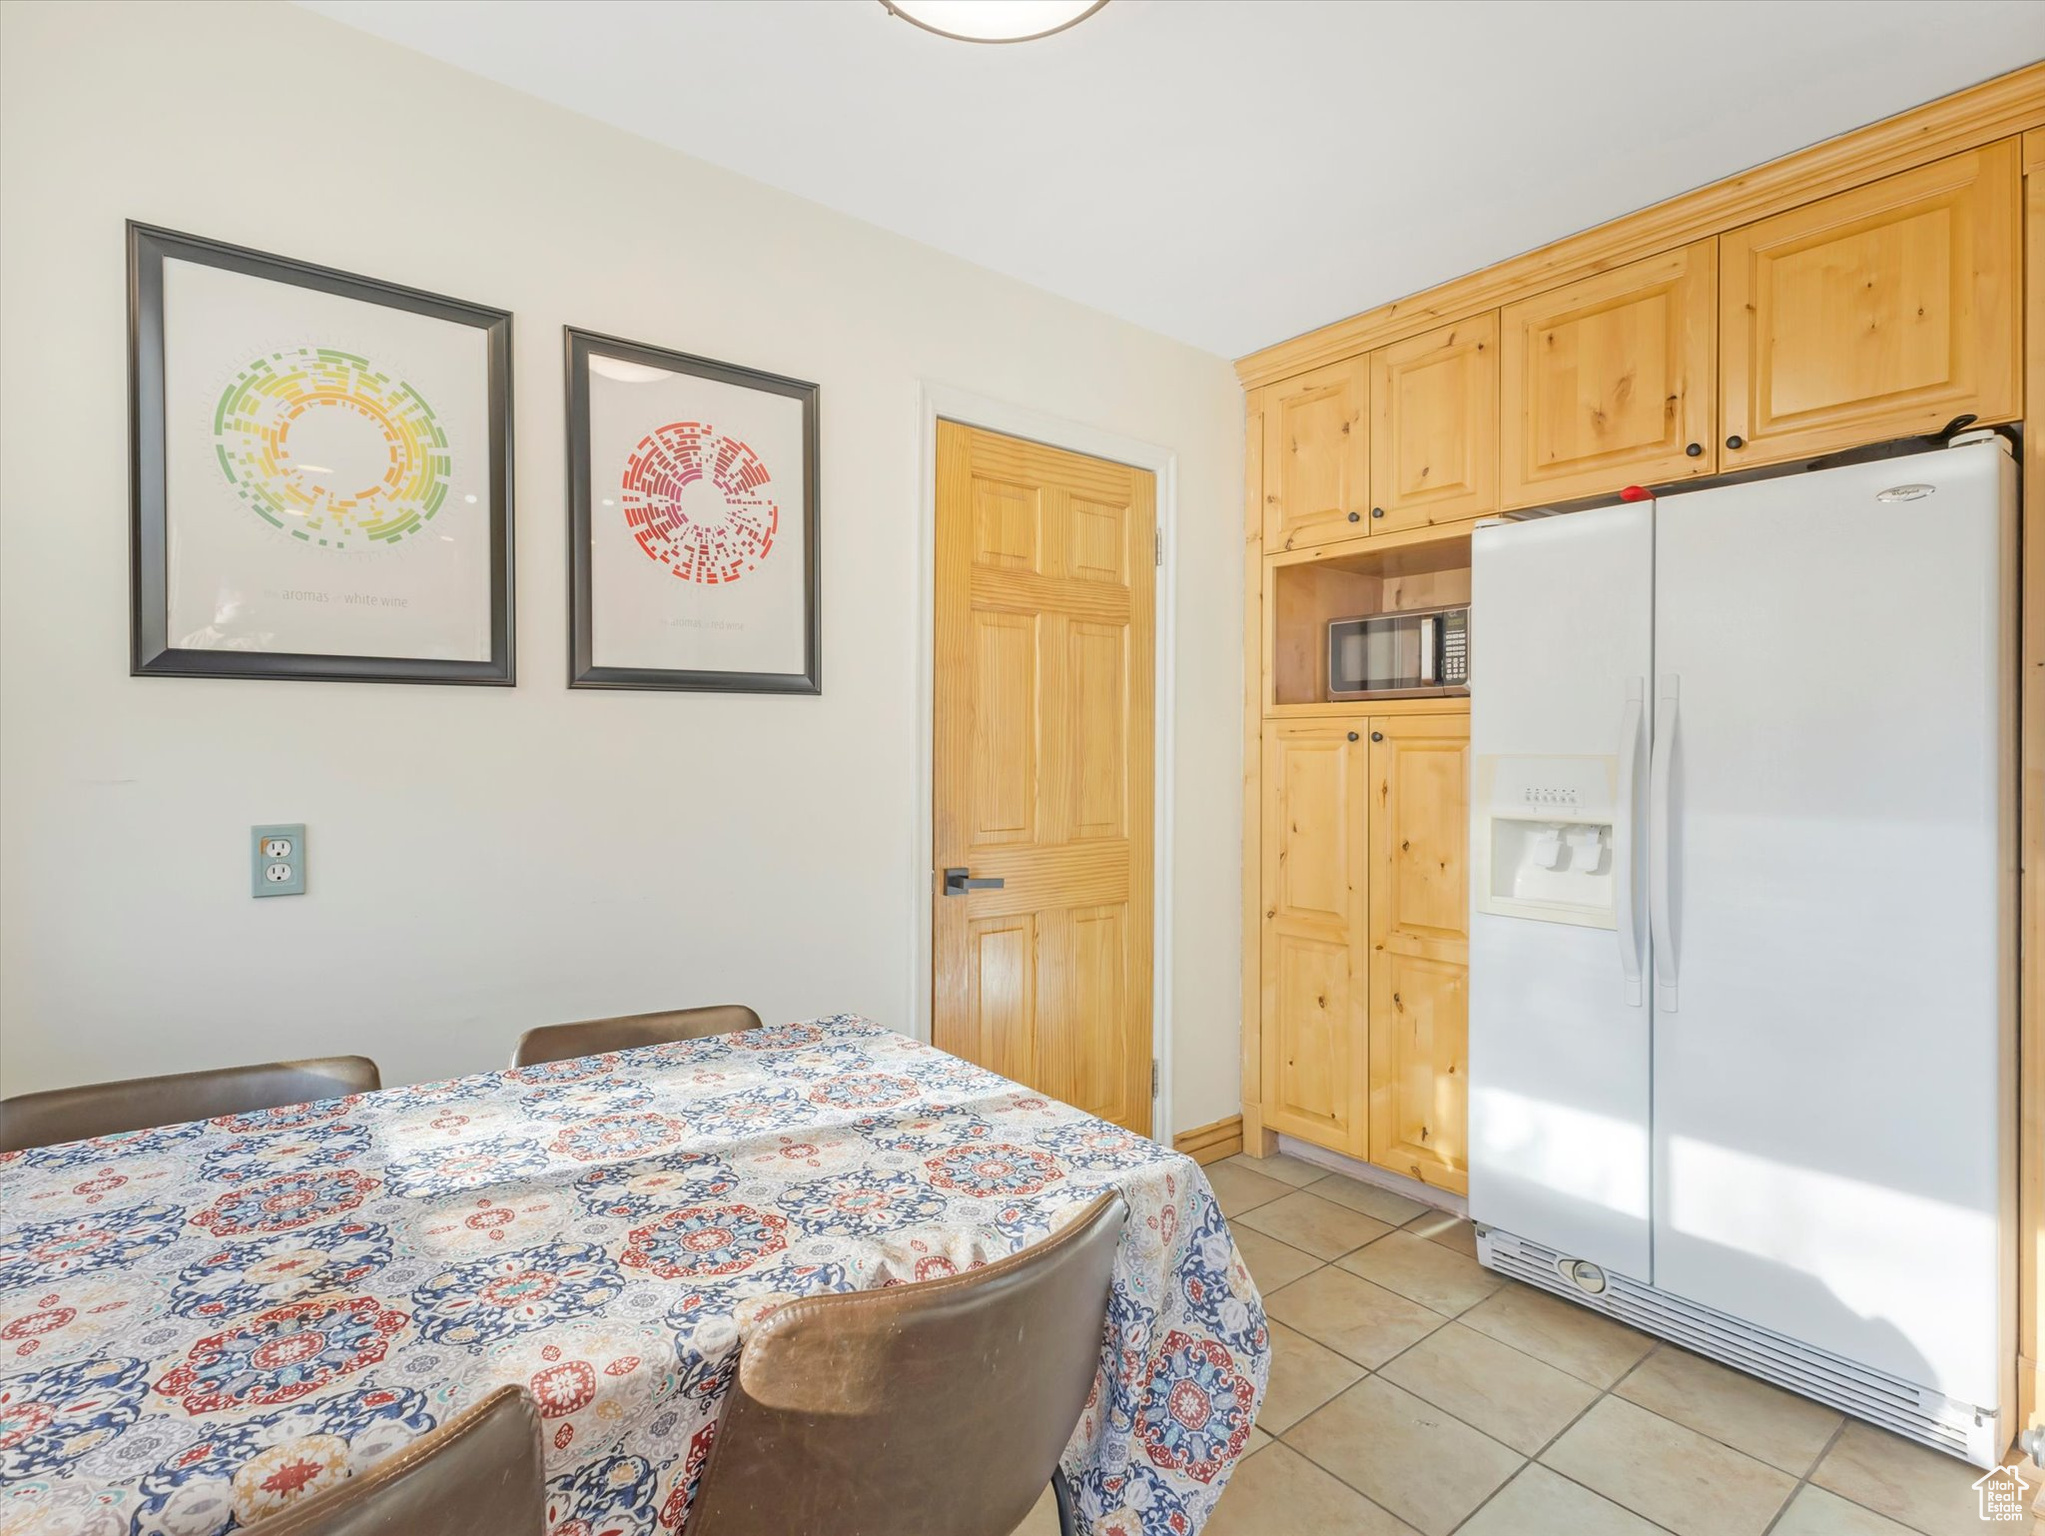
[1455,649]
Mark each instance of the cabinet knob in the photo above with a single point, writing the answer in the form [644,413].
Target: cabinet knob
[1352,735]
[1695,450]
[1377,735]
[1377,511]
[1736,441]
[1356,517]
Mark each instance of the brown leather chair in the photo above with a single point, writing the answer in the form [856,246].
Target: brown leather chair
[934,1409]
[479,1474]
[103,1109]
[559,1042]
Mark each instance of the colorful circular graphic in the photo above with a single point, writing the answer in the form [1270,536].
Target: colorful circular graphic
[696,502]
[330,449]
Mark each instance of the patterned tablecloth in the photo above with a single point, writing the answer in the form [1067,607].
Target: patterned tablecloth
[201,1323]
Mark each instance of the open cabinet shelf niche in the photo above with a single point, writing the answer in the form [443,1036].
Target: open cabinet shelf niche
[1305,589]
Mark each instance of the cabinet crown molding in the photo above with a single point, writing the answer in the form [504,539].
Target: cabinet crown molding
[2002,108]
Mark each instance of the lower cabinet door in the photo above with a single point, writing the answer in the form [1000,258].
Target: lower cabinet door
[1419,949]
[1314,888]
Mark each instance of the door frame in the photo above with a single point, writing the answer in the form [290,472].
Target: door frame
[935,401]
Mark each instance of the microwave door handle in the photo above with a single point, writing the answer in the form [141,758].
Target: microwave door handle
[1624,898]
[1429,650]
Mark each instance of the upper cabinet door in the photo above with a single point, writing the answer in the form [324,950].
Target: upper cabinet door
[1882,312]
[1434,433]
[1317,457]
[1608,381]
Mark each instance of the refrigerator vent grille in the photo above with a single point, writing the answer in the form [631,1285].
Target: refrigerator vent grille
[1955,1428]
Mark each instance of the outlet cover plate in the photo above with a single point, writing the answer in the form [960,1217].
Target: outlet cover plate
[277,859]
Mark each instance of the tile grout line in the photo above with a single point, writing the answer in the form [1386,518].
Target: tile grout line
[1804,1481]
[1549,1444]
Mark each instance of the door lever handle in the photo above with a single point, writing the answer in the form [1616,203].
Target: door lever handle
[959,881]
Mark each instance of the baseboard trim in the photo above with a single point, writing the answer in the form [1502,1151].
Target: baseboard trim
[1211,1143]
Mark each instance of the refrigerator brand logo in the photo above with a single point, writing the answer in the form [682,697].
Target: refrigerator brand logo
[1905,493]
[2002,1494]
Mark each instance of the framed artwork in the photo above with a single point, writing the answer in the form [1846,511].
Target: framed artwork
[692,489]
[320,472]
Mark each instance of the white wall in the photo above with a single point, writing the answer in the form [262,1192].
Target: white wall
[479,858]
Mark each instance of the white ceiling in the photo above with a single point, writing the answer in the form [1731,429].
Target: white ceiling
[1232,172]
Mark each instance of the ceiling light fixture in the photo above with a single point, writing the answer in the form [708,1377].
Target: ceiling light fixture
[994,21]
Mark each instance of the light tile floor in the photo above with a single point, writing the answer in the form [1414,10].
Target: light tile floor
[1413,1391]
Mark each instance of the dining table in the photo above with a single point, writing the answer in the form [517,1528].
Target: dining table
[202,1323]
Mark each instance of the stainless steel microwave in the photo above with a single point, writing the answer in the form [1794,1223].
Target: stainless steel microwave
[1425,650]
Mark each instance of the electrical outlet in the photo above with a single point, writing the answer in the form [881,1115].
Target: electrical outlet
[277,865]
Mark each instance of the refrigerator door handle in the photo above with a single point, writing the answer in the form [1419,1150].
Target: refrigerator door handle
[1660,837]
[1627,917]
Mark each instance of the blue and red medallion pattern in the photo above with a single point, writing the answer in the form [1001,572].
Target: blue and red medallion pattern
[240,1277]
[280,1204]
[283,1354]
[865,1202]
[39,1251]
[994,1171]
[620,1137]
[50,1418]
[1197,1408]
[703,1241]
[489,1298]
[636,1190]
[201,1325]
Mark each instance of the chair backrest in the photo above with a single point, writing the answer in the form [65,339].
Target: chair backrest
[104,1109]
[933,1409]
[559,1042]
[479,1474]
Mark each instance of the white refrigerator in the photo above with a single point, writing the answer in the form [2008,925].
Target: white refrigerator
[1742,969]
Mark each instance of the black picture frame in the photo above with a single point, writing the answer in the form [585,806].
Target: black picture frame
[151,651]
[583,672]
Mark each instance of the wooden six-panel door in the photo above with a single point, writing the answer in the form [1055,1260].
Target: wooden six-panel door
[1419,947]
[1042,780]
[1312,966]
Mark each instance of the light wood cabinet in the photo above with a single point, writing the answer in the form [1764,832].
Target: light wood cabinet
[1434,429]
[1365,942]
[1607,382]
[1419,951]
[1312,961]
[1317,457]
[1877,313]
